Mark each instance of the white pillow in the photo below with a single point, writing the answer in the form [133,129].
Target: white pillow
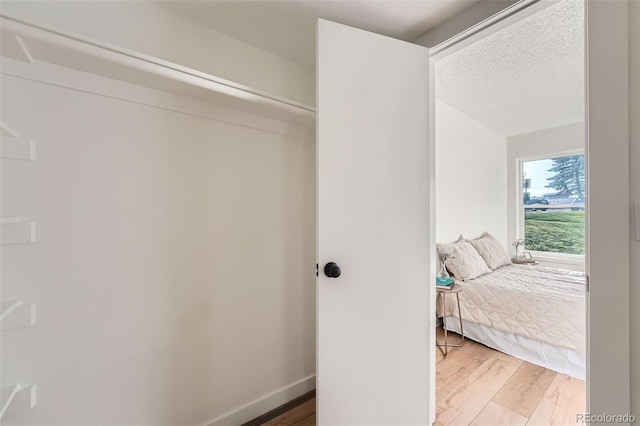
[491,251]
[464,261]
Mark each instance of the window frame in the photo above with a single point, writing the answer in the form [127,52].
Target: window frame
[561,258]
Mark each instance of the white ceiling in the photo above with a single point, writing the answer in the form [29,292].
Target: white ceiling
[287,28]
[526,77]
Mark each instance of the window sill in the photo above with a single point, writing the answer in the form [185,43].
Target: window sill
[554,260]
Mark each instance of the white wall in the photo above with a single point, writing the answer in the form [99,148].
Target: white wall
[634,197]
[149,29]
[174,262]
[471,175]
[221,331]
[565,139]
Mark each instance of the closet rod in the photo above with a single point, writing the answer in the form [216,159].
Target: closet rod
[32,34]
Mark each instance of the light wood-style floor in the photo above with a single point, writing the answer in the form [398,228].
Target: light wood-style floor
[476,385]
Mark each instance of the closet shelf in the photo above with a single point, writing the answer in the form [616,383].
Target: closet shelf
[28,42]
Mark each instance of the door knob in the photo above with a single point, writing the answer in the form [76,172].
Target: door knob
[332,270]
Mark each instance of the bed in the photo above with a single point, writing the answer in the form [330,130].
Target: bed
[532,312]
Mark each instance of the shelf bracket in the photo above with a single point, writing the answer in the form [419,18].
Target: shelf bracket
[16,148]
[16,399]
[15,314]
[24,49]
[7,308]
[8,131]
[17,231]
[8,393]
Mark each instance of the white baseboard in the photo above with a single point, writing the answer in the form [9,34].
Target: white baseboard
[264,404]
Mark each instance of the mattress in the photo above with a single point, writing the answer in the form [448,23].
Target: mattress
[539,303]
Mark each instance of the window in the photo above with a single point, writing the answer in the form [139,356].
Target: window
[553,203]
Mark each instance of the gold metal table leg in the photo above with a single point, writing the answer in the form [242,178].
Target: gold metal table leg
[446,344]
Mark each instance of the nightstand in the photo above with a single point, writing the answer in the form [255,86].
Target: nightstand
[441,294]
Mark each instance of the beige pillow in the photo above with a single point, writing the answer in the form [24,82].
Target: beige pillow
[464,262]
[491,251]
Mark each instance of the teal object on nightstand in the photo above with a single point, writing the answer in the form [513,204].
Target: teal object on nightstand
[443,281]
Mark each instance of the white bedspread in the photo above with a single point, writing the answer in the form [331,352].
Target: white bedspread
[544,304]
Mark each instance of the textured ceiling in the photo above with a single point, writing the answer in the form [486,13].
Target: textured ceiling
[287,27]
[526,77]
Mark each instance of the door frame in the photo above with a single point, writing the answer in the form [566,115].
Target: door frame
[608,386]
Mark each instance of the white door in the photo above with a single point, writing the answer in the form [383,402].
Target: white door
[374,336]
